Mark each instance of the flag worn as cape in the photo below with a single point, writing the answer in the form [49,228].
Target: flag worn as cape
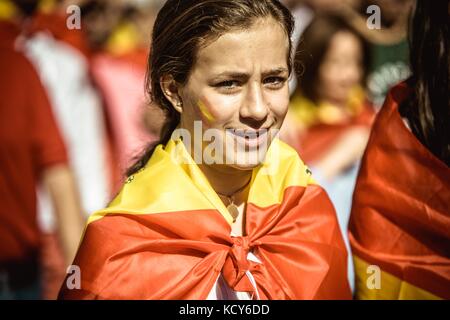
[400,218]
[167,235]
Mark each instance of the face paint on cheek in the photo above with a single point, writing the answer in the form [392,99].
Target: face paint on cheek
[204,112]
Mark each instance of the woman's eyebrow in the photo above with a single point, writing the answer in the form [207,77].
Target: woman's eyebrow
[275,72]
[243,75]
[233,75]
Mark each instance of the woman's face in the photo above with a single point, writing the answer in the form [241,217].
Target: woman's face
[341,69]
[238,88]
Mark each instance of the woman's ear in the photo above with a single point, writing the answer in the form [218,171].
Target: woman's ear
[171,89]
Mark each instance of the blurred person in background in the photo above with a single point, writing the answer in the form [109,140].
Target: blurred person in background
[61,57]
[304,12]
[388,44]
[32,152]
[400,219]
[119,33]
[329,109]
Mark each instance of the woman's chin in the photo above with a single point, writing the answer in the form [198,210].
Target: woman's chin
[244,166]
[247,160]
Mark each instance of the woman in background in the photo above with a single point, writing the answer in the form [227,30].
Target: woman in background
[330,110]
[400,217]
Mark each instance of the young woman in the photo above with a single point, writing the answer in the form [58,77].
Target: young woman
[251,224]
[400,217]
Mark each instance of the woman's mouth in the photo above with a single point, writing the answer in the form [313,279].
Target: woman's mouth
[249,138]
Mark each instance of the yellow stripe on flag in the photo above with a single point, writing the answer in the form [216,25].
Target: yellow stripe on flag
[171,172]
[391,287]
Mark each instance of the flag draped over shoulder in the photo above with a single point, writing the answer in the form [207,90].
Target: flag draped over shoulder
[167,235]
[400,218]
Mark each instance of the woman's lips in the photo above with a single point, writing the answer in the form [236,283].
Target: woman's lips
[249,138]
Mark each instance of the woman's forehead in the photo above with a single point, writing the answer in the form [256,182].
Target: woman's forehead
[264,44]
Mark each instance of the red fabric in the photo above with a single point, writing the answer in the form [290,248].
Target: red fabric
[56,24]
[9,32]
[29,143]
[319,138]
[179,255]
[400,218]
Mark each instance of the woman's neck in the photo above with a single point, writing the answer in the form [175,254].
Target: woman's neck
[227,181]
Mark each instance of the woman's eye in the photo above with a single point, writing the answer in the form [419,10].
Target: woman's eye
[275,82]
[229,84]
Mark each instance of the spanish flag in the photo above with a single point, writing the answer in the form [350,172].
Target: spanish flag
[400,221]
[167,235]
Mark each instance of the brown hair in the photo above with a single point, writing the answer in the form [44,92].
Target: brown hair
[181,28]
[313,47]
[428,107]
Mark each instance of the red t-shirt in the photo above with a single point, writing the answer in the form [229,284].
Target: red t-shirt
[29,143]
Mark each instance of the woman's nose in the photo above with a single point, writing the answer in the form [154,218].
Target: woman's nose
[254,106]
[351,73]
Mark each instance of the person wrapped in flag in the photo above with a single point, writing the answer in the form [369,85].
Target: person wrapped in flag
[400,222]
[219,208]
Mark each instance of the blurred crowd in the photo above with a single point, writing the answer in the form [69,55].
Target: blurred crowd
[74,113]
